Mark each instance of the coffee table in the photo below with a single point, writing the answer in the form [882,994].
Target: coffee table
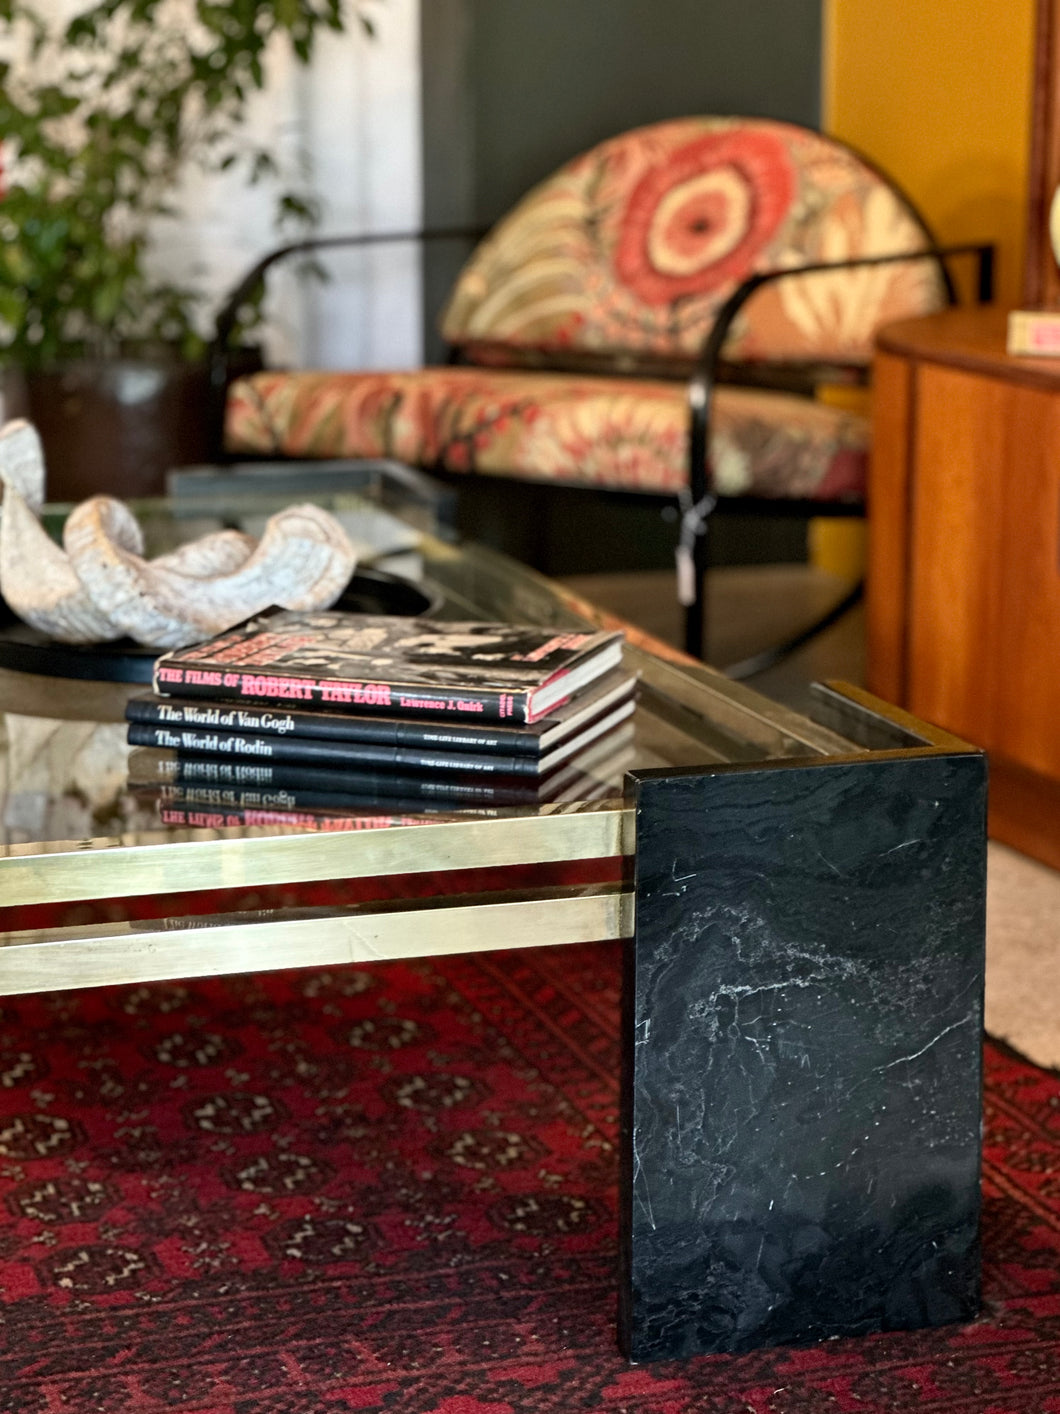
[802,905]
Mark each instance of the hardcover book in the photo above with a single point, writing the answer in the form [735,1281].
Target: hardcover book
[356,755]
[371,663]
[537,739]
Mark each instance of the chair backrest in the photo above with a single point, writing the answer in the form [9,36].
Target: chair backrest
[624,255]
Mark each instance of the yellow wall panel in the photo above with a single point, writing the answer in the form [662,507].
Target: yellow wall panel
[938,93]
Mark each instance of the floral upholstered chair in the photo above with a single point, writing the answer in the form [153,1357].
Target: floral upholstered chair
[600,332]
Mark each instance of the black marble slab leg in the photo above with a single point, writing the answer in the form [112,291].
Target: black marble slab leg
[802,1033]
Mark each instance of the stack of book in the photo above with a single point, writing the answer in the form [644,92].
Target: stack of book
[308,716]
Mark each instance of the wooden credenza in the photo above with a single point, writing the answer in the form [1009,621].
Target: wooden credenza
[964,554]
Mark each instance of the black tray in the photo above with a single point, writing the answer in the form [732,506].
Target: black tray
[24,650]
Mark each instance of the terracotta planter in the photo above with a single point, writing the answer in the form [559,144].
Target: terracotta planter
[117,426]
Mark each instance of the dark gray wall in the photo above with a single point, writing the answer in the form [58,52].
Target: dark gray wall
[513,88]
[549,78]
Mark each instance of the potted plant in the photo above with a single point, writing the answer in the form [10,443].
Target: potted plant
[101,115]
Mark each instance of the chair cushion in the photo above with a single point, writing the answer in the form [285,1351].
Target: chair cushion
[618,434]
[625,254]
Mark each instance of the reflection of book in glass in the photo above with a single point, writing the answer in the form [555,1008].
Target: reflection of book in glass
[208,816]
[373,663]
[600,705]
[588,775]
[357,755]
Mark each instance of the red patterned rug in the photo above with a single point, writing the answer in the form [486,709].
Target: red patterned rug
[394,1189]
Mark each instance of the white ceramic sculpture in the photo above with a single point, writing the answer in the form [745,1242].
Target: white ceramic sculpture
[98,586]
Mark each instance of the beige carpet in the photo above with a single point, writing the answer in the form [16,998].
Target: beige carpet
[1023,954]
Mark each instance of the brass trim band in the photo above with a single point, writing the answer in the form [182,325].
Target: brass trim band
[102,955]
[223,859]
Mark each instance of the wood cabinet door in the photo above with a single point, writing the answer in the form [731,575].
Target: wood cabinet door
[984,630]
[887,581]
[1028,649]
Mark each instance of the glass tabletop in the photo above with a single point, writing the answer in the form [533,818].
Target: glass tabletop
[64,758]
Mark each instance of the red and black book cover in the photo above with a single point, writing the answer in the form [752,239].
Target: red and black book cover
[369,663]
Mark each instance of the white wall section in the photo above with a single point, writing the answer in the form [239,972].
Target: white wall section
[356,115]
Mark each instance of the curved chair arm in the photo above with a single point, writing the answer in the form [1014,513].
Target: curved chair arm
[710,355]
[699,500]
[218,350]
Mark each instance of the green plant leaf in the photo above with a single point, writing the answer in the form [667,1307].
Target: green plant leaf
[153,95]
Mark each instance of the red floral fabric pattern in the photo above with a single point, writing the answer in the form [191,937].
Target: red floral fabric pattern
[620,434]
[703,216]
[634,246]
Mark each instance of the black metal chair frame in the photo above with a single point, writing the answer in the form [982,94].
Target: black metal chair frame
[697,503]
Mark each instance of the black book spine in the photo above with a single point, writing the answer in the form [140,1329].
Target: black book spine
[327,726]
[234,684]
[320,753]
